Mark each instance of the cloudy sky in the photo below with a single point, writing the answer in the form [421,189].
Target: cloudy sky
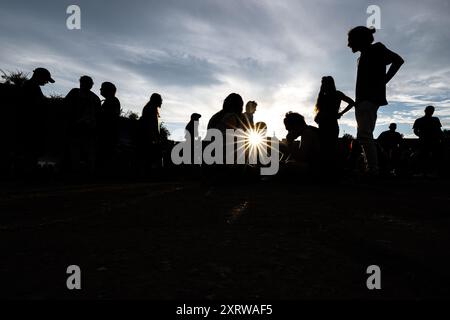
[196,52]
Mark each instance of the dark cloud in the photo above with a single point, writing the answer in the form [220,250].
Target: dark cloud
[273,51]
[175,69]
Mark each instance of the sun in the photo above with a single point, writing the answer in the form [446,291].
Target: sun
[255,138]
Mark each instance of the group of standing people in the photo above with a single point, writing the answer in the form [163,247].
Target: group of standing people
[91,127]
[93,124]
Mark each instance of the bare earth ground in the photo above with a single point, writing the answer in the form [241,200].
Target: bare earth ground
[188,240]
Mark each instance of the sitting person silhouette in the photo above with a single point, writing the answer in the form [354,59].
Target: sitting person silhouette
[229,116]
[428,129]
[307,155]
[261,127]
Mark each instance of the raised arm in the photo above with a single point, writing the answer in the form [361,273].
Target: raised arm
[350,105]
[395,61]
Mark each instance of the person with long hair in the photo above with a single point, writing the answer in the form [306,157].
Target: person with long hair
[327,115]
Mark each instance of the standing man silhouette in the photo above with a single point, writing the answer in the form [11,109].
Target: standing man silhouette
[371,86]
[192,134]
[247,116]
[390,143]
[32,115]
[108,127]
[428,129]
[149,143]
[83,105]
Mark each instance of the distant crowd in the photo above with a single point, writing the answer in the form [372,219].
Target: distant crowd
[92,130]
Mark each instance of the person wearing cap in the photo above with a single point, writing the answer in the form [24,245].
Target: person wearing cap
[32,117]
[390,142]
[192,133]
[371,81]
[192,127]
[82,106]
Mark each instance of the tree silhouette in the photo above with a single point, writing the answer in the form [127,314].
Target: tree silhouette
[14,77]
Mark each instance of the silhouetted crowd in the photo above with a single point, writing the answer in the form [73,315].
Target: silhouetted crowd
[93,126]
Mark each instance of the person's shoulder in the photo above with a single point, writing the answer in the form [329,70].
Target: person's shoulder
[28,85]
[437,121]
[419,120]
[312,130]
[92,95]
[116,101]
[73,91]
[378,46]
[340,94]
[217,114]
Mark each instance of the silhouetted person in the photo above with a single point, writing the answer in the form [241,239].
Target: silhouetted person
[32,117]
[428,129]
[192,126]
[261,127]
[390,143]
[308,153]
[229,116]
[82,106]
[108,126]
[327,114]
[371,86]
[247,116]
[192,133]
[150,135]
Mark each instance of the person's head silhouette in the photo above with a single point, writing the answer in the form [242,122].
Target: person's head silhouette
[429,111]
[261,127]
[86,83]
[328,85]
[233,104]
[295,125]
[108,90]
[195,116]
[155,100]
[393,127]
[359,38]
[42,76]
[250,107]
[327,89]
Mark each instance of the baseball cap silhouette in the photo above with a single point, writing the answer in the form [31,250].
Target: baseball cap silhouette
[44,73]
[195,116]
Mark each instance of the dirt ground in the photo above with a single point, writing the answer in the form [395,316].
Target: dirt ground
[193,240]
